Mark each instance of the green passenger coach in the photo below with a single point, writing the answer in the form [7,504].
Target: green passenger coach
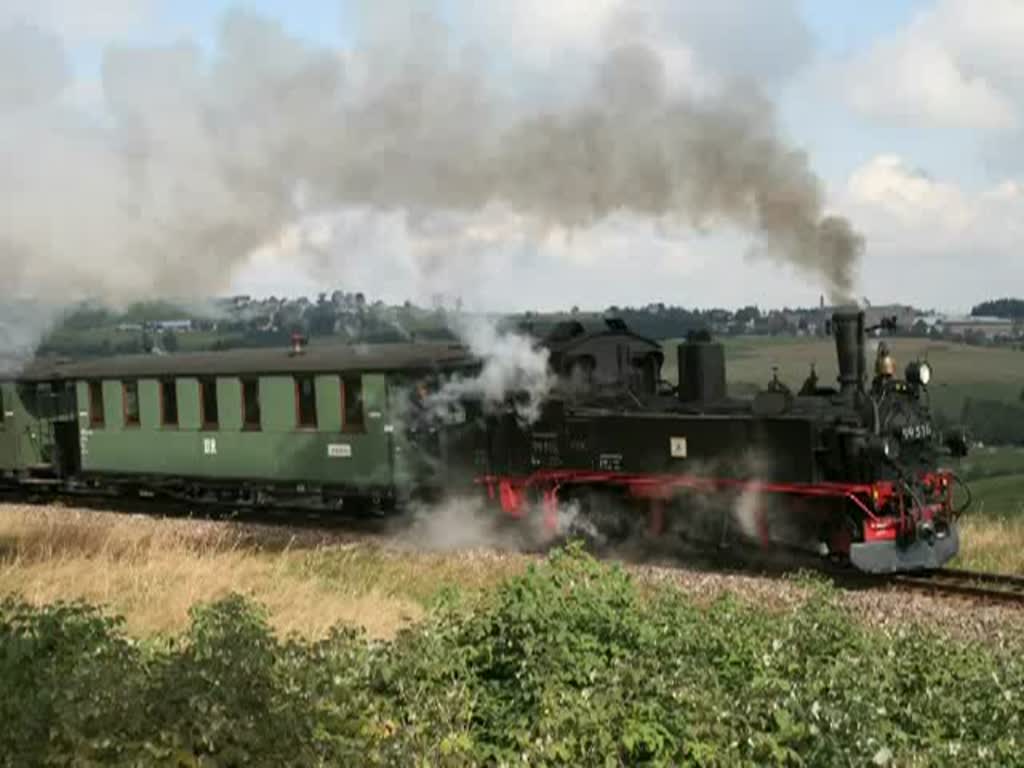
[314,422]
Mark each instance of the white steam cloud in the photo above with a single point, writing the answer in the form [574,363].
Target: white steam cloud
[513,364]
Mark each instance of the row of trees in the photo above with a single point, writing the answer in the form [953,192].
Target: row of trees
[1012,309]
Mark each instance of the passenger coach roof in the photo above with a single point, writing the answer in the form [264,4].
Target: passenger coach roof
[314,359]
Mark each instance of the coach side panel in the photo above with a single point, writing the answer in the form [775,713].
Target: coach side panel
[224,436]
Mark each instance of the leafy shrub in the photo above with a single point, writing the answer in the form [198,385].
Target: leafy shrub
[569,663]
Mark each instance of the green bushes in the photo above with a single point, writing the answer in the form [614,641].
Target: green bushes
[571,663]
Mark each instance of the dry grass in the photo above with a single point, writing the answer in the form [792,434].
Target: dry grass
[992,544]
[153,571]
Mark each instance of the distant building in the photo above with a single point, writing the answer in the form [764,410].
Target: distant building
[175,326]
[989,327]
[905,315]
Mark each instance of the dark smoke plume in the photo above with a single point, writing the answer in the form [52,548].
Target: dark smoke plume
[188,163]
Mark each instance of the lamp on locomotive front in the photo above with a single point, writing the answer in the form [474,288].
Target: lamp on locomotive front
[885,365]
[919,373]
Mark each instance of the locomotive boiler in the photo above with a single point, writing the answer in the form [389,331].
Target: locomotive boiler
[851,472]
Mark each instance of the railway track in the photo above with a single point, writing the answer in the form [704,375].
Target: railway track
[976,585]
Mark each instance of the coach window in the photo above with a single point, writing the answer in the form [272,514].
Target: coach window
[305,402]
[251,404]
[97,415]
[169,403]
[352,402]
[131,403]
[208,395]
[3,411]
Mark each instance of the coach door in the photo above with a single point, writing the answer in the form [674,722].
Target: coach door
[67,444]
[44,435]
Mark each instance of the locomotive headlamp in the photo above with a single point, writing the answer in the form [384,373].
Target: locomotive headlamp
[884,448]
[924,373]
[919,373]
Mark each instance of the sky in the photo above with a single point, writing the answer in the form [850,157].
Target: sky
[909,112]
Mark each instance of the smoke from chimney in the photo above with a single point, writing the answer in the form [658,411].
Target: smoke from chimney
[189,161]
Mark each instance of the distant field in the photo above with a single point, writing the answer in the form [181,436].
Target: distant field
[959,370]
[996,479]
[998,496]
[991,462]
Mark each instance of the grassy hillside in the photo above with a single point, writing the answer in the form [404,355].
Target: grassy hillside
[998,496]
[992,462]
[996,478]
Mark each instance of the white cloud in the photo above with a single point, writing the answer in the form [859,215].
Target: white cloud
[888,184]
[492,262]
[932,241]
[959,63]
[918,80]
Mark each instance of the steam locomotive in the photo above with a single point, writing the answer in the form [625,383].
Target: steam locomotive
[851,473]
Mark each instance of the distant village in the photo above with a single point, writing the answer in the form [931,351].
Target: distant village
[248,321]
[909,321]
[340,313]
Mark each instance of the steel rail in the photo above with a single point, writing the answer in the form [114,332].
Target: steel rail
[978,585]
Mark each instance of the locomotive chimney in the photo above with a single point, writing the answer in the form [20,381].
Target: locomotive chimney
[701,369]
[848,328]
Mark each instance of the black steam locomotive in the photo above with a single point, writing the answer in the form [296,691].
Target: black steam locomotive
[851,473]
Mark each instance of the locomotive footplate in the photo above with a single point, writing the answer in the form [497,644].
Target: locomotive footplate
[920,554]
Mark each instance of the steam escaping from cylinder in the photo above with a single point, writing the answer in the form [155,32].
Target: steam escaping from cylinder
[187,162]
